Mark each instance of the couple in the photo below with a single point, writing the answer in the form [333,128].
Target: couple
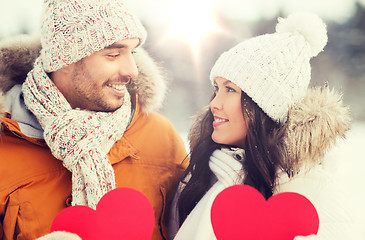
[79,120]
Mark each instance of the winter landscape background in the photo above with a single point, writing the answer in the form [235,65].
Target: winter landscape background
[186,37]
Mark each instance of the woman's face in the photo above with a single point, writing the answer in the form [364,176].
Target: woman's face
[226,107]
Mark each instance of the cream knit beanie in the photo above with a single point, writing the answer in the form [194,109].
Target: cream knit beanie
[274,69]
[74,29]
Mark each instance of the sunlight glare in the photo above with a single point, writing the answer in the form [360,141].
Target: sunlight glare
[191,20]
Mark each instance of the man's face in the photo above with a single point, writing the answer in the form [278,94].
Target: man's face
[97,82]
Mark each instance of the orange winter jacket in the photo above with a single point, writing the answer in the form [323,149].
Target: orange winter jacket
[35,187]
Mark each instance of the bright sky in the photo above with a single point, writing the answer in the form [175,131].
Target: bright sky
[337,10]
[189,19]
[192,19]
[17,14]
[183,20]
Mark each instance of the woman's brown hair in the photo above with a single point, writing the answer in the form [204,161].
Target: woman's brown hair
[264,154]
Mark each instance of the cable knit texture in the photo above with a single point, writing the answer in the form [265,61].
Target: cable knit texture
[74,29]
[274,69]
[79,138]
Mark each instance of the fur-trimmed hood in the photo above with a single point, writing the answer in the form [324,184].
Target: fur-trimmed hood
[313,127]
[17,55]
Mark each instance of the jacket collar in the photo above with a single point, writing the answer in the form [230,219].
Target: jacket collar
[150,86]
[118,152]
[28,123]
[12,127]
[123,148]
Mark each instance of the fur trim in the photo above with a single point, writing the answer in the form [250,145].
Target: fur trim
[314,126]
[2,108]
[18,54]
[150,84]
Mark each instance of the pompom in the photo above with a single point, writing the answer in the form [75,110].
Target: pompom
[309,25]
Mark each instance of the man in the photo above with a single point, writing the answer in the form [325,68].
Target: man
[81,122]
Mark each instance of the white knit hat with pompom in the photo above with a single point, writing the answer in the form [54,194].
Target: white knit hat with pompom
[274,69]
[74,29]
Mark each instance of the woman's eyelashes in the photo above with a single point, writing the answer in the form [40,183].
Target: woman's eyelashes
[227,88]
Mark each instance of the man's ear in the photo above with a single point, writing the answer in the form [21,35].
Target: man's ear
[61,74]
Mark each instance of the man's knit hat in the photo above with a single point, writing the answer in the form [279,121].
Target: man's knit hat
[74,29]
[274,69]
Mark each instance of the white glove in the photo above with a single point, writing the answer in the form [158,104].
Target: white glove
[310,237]
[59,235]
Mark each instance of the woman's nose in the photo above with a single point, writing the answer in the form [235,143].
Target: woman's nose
[216,103]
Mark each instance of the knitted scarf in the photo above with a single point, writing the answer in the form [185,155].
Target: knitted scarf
[79,138]
[228,172]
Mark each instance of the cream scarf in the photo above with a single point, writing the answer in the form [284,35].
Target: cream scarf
[228,171]
[79,138]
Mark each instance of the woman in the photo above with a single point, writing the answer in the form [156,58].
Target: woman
[266,129]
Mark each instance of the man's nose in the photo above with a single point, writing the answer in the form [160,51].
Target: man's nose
[128,68]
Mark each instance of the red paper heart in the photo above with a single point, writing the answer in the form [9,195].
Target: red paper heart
[241,212]
[122,213]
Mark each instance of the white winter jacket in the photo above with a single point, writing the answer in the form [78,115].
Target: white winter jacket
[315,124]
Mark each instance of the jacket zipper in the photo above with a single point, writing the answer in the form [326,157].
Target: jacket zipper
[162,212]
